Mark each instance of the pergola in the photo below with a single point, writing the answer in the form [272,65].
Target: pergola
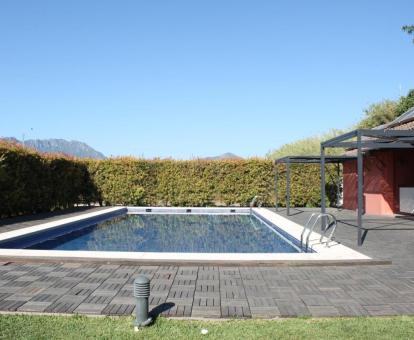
[288,160]
[363,140]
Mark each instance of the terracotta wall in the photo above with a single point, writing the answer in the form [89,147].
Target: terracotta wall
[350,185]
[384,172]
[404,172]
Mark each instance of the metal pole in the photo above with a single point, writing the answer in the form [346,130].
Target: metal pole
[323,204]
[338,184]
[141,294]
[360,166]
[276,173]
[288,188]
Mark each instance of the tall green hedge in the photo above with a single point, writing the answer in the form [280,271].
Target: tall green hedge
[30,182]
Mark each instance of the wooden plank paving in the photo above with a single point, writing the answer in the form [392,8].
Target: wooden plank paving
[225,291]
[208,291]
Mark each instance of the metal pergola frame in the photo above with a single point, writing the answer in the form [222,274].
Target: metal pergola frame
[363,140]
[301,160]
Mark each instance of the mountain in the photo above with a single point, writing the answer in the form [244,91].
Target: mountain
[227,155]
[71,148]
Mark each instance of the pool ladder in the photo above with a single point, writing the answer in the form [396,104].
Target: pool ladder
[253,202]
[328,222]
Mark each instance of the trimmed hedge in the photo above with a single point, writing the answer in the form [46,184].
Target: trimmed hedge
[30,182]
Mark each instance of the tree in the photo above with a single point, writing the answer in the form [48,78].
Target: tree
[409,29]
[386,111]
[378,114]
[307,146]
[405,103]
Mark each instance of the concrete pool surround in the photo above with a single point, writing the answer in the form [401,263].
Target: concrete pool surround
[335,254]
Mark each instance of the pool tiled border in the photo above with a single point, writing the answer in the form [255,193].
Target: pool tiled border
[335,254]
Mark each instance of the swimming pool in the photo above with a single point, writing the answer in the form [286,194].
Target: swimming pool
[209,231]
[177,236]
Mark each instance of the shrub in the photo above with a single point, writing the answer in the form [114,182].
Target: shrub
[31,182]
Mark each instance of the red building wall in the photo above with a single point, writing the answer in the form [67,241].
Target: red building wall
[384,172]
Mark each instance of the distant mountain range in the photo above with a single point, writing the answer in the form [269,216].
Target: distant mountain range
[227,155]
[71,148]
[82,150]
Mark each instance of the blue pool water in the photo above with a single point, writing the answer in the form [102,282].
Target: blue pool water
[174,233]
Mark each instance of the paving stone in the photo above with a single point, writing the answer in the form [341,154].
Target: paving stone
[45,298]
[289,309]
[28,278]
[261,302]
[236,293]
[178,310]
[98,299]
[90,308]
[118,309]
[87,285]
[11,305]
[80,291]
[30,290]
[157,300]
[206,302]
[20,284]
[181,293]
[200,287]
[4,295]
[34,306]
[62,307]
[314,300]
[351,308]
[212,295]
[206,312]
[104,292]
[123,300]
[284,294]
[186,302]
[265,312]
[380,310]
[57,274]
[40,284]
[234,302]
[19,297]
[65,284]
[55,291]
[403,308]
[72,298]
[235,311]
[319,311]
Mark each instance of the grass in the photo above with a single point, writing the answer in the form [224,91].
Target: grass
[81,327]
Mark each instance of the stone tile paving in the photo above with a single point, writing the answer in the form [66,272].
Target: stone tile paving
[227,291]
[208,291]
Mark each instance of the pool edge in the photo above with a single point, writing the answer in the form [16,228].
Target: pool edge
[338,255]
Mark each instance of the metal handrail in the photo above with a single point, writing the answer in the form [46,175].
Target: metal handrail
[310,225]
[253,201]
[306,228]
[330,237]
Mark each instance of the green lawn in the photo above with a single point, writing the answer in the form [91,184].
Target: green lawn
[79,327]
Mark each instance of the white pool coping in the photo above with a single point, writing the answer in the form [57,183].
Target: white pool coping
[334,253]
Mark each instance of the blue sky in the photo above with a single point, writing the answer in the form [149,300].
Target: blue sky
[196,78]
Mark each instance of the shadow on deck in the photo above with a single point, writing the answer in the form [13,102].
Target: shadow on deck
[384,237]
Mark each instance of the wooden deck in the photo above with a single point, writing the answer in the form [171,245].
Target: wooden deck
[227,291]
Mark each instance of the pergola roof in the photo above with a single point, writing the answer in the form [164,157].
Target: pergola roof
[403,119]
[314,159]
[363,140]
[372,139]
